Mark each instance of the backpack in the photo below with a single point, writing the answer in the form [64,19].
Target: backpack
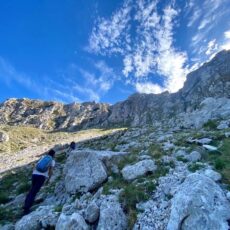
[44,163]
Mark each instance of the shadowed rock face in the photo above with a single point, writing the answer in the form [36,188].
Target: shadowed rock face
[210,80]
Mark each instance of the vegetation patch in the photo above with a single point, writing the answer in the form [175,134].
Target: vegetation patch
[14,183]
[195,167]
[210,124]
[61,158]
[221,160]
[155,151]
[181,158]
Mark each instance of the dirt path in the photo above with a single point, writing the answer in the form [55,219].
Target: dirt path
[31,154]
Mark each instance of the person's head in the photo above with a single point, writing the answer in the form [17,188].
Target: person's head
[72,145]
[51,153]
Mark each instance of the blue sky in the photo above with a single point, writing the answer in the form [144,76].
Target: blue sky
[94,50]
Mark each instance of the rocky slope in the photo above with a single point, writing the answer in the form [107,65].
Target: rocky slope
[169,170]
[210,80]
[140,178]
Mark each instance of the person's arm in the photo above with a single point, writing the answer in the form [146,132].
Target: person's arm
[50,171]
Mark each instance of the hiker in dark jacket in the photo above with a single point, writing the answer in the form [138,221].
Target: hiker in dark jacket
[41,172]
[72,146]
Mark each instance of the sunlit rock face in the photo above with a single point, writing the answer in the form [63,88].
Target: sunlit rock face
[211,80]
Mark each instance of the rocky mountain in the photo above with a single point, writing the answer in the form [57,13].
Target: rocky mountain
[169,170]
[52,115]
[210,80]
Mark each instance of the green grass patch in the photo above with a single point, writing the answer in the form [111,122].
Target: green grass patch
[61,158]
[23,187]
[58,208]
[4,197]
[210,124]
[14,183]
[9,215]
[155,151]
[221,160]
[129,197]
[181,158]
[195,167]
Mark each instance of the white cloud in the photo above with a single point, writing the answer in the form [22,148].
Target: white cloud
[128,65]
[145,41]
[203,23]
[101,82]
[154,51]
[211,13]
[212,47]
[226,46]
[195,16]
[148,88]
[226,43]
[227,34]
[90,93]
[107,35]
[64,97]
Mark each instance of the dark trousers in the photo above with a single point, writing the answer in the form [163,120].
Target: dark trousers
[37,182]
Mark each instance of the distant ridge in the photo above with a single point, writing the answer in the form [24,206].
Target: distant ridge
[212,79]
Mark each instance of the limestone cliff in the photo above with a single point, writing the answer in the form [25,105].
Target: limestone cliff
[212,79]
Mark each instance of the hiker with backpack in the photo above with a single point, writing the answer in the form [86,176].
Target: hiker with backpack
[41,172]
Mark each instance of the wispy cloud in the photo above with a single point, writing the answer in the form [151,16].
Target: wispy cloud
[96,83]
[212,12]
[148,87]
[10,75]
[152,50]
[46,88]
[226,43]
[107,35]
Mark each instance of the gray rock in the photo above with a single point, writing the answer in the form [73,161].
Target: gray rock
[199,204]
[180,153]
[223,125]
[7,227]
[212,174]
[228,195]
[144,157]
[3,137]
[193,156]
[71,222]
[111,215]
[204,141]
[84,172]
[227,134]
[168,146]
[92,212]
[131,172]
[167,159]
[43,217]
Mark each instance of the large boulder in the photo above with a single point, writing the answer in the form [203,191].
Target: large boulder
[92,212]
[43,217]
[71,222]
[199,204]
[111,215]
[131,172]
[84,172]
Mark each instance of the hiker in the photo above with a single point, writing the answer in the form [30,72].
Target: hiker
[72,146]
[41,172]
